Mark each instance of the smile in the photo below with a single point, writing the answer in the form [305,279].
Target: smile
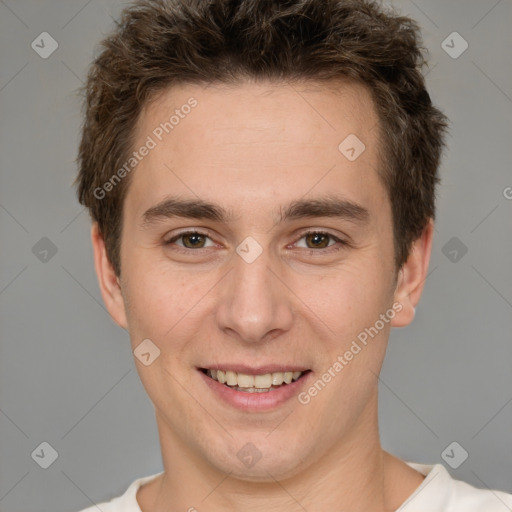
[262,383]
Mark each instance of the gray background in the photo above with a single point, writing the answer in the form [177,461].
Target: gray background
[67,376]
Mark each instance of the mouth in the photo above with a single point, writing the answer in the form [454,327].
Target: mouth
[259,383]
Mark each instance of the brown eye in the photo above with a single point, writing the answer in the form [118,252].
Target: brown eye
[189,240]
[317,240]
[193,240]
[321,240]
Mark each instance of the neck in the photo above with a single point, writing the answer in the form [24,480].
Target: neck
[356,475]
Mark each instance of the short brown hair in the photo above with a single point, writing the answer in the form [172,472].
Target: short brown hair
[159,43]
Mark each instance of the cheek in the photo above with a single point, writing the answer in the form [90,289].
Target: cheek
[350,296]
[162,304]
[357,333]
[150,305]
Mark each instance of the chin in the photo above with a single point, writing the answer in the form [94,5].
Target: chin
[246,462]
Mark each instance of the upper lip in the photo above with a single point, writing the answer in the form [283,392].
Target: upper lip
[255,370]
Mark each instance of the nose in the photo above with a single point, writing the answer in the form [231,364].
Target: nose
[255,305]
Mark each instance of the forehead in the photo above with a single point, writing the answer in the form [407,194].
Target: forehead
[257,143]
[315,107]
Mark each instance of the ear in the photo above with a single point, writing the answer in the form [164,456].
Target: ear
[109,283]
[411,277]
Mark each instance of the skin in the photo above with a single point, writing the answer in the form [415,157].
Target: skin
[253,148]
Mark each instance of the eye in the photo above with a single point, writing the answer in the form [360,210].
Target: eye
[320,240]
[197,240]
[190,240]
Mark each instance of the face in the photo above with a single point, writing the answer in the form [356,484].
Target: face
[257,249]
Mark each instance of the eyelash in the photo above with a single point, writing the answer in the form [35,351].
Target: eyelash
[332,248]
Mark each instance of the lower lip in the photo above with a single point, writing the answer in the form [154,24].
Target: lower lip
[255,402]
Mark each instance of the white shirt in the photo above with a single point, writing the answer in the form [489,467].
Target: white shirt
[438,492]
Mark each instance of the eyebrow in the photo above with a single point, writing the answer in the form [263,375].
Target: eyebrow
[327,206]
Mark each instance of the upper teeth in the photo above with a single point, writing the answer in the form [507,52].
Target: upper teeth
[243,380]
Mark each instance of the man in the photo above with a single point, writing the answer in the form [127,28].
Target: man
[261,178]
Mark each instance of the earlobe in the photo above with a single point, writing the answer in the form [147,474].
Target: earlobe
[109,283]
[412,275]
